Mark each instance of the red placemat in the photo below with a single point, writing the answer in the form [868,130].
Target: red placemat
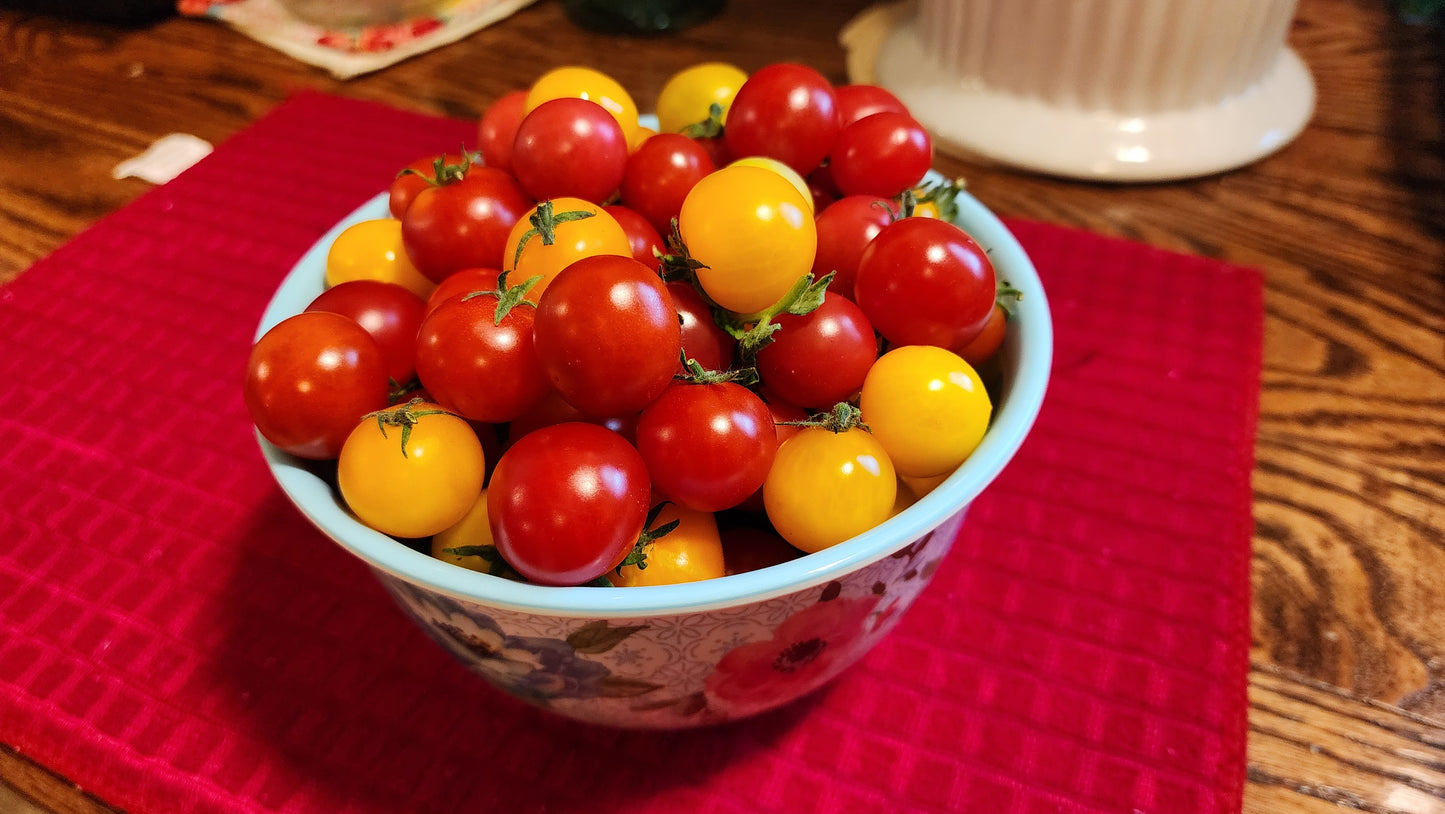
[174,637]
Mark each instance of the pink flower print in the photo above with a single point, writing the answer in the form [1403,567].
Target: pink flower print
[806,650]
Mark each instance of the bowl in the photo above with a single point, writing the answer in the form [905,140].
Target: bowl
[679,656]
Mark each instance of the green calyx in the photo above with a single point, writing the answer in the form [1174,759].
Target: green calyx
[544,224]
[638,555]
[442,172]
[711,127]
[405,416]
[508,297]
[843,417]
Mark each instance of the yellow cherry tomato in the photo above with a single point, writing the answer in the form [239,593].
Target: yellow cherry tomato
[826,487]
[573,239]
[689,94]
[412,470]
[372,250]
[752,231]
[474,529]
[781,169]
[927,407]
[575,81]
[691,552]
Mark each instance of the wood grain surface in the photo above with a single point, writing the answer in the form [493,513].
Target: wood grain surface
[1347,223]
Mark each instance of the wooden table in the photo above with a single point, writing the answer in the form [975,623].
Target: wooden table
[1347,223]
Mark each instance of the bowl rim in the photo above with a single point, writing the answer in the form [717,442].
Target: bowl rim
[1028,357]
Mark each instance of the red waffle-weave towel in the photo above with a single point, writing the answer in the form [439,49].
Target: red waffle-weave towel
[174,637]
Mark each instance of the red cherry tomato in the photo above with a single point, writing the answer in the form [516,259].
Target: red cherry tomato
[989,340]
[858,101]
[463,223]
[567,503]
[309,381]
[497,129]
[640,234]
[417,176]
[819,358]
[784,111]
[462,282]
[569,148]
[391,313]
[608,335]
[660,174]
[845,228]
[707,446]
[553,409]
[923,281]
[476,366]
[702,340]
[882,154]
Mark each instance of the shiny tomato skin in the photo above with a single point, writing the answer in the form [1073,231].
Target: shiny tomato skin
[827,487]
[476,367]
[388,311]
[819,358]
[845,228]
[856,101]
[784,111]
[567,503]
[643,239]
[310,379]
[497,129]
[927,407]
[527,255]
[417,176]
[608,335]
[463,224]
[659,175]
[924,281]
[881,154]
[986,345]
[462,282]
[691,552]
[569,148]
[702,339]
[707,446]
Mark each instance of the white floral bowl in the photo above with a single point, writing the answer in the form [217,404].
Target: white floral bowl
[683,655]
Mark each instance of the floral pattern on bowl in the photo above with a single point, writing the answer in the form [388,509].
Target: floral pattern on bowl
[685,669]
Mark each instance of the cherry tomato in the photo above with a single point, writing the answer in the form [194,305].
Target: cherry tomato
[569,148]
[660,174]
[567,503]
[373,250]
[691,552]
[643,239]
[707,446]
[578,82]
[989,340]
[789,174]
[860,100]
[882,154]
[415,177]
[578,228]
[784,111]
[689,94]
[411,471]
[477,364]
[819,358]
[309,380]
[473,530]
[826,487]
[787,419]
[608,335]
[497,129]
[925,282]
[845,228]
[388,311]
[462,282]
[751,230]
[927,408]
[463,223]
[702,340]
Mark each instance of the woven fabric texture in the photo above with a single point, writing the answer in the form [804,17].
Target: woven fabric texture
[175,637]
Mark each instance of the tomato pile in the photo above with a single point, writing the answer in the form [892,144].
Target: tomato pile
[587,352]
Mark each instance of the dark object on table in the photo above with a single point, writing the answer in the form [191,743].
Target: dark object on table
[113,12]
[640,17]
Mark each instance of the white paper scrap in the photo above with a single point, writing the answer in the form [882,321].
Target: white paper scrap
[168,157]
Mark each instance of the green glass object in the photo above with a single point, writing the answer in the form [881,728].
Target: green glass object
[640,17]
